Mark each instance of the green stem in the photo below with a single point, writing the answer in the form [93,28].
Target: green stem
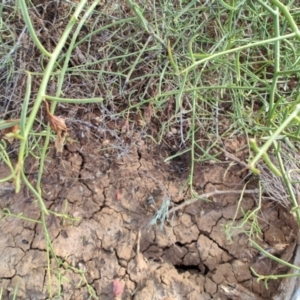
[31,30]
[273,88]
[35,193]
[43,87]
[25,104]
[267,7]
[268,143]
[147,26]
[6,212]
[171,58]
[251,45]
[59,88]
[274,258]
[193,142]
[266,158]
[285,11]
[73,100]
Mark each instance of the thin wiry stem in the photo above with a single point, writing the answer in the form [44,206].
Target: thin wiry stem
[204,197]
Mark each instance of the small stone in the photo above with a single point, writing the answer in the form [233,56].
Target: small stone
[82,267]
[98,174]
[174,130]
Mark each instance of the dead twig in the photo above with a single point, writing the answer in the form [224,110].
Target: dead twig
[236,291]
[234,158]
[141,265]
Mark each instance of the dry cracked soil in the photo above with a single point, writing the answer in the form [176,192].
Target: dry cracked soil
[133,237]
[131,234]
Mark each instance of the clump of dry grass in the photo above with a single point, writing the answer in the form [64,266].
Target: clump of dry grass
[274,186]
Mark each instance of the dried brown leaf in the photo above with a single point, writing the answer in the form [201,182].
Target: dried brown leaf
[57,124]
[277,249]
[60,140]
[139,121]
[125,128]
[148,112]
[9,133]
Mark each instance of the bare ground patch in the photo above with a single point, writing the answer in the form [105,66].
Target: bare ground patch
[114,184]
[186,257]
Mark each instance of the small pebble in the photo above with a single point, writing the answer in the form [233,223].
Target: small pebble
[173,130]
[82,267]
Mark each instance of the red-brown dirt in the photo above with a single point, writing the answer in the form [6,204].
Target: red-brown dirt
[115,198]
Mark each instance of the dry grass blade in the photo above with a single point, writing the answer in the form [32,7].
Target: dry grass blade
[274,186]
[236,291]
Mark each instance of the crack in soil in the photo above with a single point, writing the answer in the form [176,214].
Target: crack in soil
[115,200]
